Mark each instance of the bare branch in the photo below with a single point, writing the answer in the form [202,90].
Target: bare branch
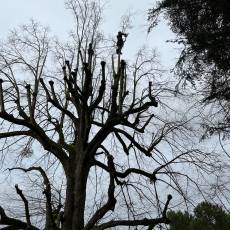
[47,192]
[12,222]
[26,204]
[111,202]
[142,222]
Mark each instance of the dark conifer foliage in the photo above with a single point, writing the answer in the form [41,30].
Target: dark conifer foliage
[203,26]
[203,29]
[207,216]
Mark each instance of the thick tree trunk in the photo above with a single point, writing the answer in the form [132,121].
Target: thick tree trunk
[69,204]
[80,197]
[76,194]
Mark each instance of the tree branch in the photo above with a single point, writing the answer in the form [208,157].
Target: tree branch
[151,176]
[135,143]
[39,134]
[56,103]
[47,192]
[142,222]
[12,222]
[15,133]
[111,202]
[26,204]
[101,89]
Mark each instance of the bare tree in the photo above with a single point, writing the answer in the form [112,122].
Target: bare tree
[99,126]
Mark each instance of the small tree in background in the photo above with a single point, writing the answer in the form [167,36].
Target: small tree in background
[66,112]
[207,216]
[180,220]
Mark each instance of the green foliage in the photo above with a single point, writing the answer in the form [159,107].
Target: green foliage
[203,26]
[210,216]
[203,29]
[180,220]
[206,216]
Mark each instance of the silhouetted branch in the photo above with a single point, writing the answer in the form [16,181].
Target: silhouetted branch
[15,133]
[142,222]
[47,192]
[111,202]
[26,204]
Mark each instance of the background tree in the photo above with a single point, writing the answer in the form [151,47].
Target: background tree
[180,220]
[202,29]
[206,216]
[101,154]
[210,216]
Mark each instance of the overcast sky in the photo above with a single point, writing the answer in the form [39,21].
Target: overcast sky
[53,14]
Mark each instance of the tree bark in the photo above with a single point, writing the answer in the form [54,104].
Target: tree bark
[76,193]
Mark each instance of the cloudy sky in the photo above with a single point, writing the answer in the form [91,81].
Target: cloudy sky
[53,14]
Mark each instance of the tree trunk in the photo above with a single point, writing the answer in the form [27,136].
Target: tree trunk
[76,194]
